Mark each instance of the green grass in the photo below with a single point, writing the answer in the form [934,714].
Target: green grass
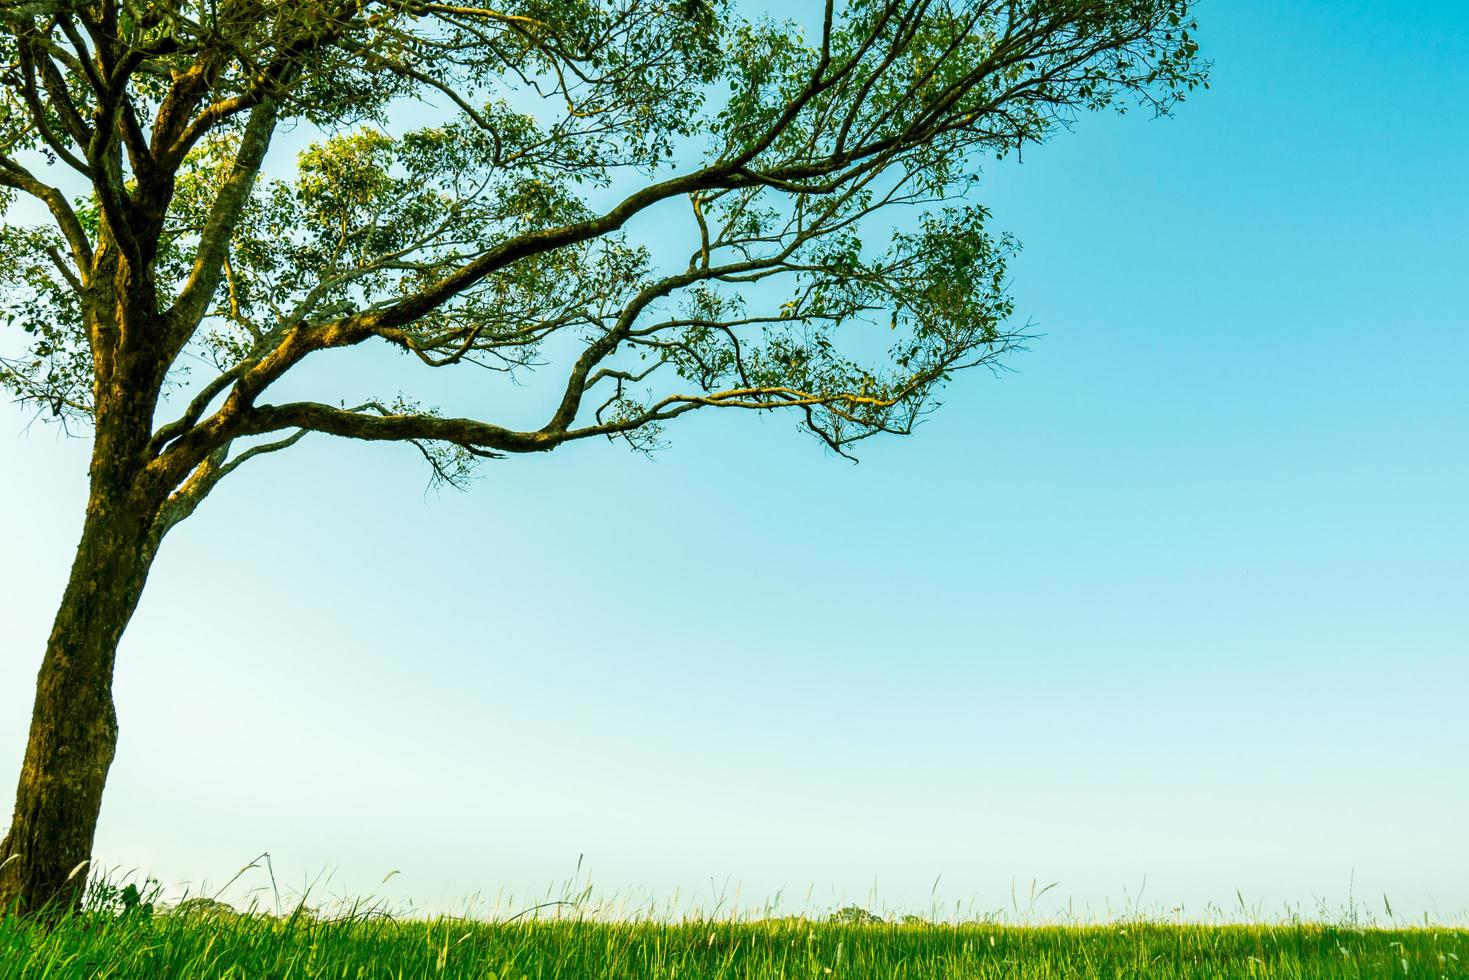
[200,946]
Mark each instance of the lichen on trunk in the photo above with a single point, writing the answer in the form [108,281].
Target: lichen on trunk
[47,850]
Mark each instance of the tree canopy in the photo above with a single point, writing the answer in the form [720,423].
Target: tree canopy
[495,235]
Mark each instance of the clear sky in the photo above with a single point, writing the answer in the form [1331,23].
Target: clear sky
[1179,606]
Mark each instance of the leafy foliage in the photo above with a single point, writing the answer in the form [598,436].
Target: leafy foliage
[828,260]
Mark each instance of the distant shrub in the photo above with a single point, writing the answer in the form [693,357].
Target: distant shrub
[855,915]
[110,898]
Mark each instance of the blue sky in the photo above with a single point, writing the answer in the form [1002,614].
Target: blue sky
[1180,600]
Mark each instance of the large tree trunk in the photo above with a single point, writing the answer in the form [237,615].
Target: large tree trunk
[74,726]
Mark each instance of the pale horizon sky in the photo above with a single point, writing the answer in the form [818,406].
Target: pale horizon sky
[1183,599]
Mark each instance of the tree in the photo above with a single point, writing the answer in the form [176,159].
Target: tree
[492,234]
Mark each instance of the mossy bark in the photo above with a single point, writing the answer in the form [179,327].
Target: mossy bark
[74,725]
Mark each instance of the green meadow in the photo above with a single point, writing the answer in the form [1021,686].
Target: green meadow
[205,945]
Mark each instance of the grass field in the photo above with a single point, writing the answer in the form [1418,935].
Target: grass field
[204,946]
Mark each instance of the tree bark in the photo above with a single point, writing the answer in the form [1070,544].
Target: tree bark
[74,725]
